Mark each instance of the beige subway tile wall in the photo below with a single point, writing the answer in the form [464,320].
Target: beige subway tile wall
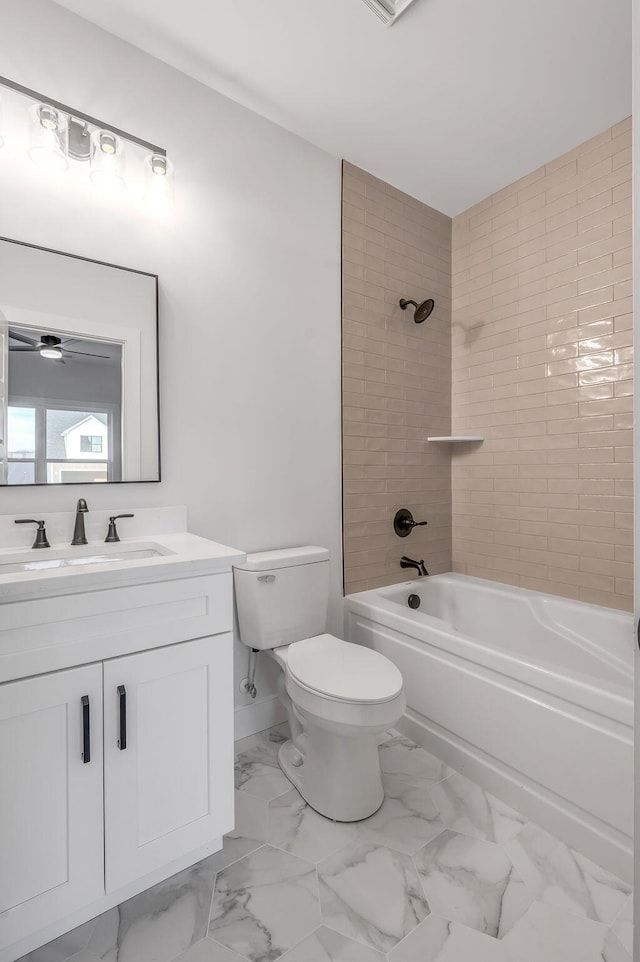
[396,381]
[542,353]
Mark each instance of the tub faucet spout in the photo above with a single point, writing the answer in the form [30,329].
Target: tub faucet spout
[410,563]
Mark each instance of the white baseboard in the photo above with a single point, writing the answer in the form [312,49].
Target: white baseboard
[250,719]
[579,829]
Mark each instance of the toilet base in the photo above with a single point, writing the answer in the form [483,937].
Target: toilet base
[339,776]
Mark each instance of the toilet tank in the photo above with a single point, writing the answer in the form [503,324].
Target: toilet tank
[282,596]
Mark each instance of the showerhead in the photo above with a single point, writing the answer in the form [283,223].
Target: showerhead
[422,311]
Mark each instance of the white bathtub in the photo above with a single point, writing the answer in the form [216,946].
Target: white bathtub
[528,694]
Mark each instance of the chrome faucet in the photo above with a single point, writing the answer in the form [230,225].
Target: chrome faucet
[79,536]
[410,563]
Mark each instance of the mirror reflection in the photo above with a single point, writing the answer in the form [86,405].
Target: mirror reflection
[64,409]
[78,370]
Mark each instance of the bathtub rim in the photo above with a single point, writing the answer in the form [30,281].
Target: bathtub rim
[614,702]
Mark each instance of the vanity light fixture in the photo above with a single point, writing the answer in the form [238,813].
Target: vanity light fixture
[58,133]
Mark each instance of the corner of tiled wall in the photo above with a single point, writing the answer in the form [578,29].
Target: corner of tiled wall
[396,381]
[542,367]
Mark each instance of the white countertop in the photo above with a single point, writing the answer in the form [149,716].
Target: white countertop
[183,556]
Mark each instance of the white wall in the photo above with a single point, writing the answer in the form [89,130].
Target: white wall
[249,268]
[33,376]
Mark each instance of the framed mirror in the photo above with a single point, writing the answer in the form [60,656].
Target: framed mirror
[78,369]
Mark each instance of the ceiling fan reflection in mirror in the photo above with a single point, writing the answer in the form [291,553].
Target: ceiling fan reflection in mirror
[49,346]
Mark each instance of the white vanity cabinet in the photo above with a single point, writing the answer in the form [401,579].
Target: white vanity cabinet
[116,737]
[172,709]
[51,846]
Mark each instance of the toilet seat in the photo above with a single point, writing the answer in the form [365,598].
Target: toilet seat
[331,668]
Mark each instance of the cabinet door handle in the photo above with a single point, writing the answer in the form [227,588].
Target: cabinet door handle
[86,730]
[122,698]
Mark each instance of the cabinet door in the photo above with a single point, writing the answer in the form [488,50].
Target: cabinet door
[168,755]
[51,829]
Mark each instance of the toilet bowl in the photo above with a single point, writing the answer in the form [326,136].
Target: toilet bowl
[339,696]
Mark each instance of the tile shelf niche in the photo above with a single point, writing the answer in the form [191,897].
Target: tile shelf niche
[459,439]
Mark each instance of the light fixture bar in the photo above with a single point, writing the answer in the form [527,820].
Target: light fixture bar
[79,115]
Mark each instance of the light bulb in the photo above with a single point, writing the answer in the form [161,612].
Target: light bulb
[108,143]
[159,187]
[54,353]
[48,117]
[107,161]
[49,140]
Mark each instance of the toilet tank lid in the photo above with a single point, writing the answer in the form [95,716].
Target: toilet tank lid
[284,558]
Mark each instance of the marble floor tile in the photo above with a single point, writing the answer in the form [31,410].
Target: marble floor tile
[104,939]
[623,925]
[295,827]
[386,736]
[372,894]
[259,778]
[471,881]
[560,876]
[549,934]
[233,849]
[64,947]
[325,945]
[209,951]
[251,814]
[437,940]
[468,809]
[439,844]
[158,924]
[263,746]
[256,767]
[614,950]
[264,904]
[407,819]
[401,756]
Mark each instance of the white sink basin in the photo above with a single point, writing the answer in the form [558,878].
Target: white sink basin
[45,559]
[28,573]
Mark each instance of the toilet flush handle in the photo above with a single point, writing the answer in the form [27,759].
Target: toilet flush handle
[267,578]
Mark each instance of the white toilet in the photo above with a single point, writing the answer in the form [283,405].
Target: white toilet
[338,695]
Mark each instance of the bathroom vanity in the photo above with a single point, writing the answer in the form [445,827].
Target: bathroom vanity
[116,724]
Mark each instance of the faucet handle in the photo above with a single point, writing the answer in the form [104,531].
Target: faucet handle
[403,523]
[112,533]
[41,540]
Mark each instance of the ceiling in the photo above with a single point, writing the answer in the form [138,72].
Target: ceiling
[454,101]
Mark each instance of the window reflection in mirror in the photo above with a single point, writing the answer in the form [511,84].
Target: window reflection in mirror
[53,441]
